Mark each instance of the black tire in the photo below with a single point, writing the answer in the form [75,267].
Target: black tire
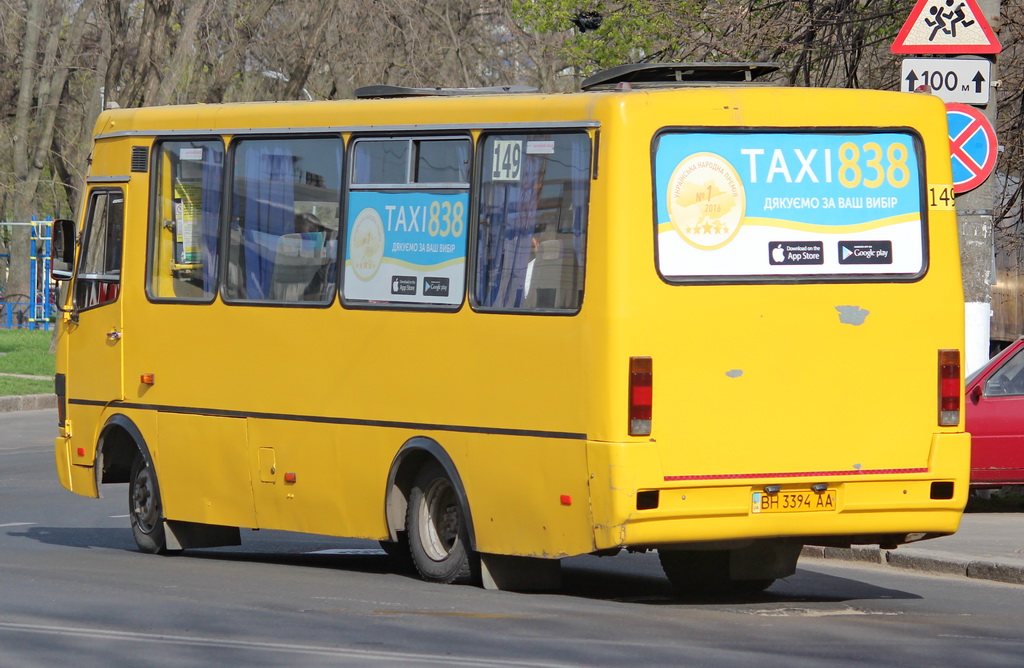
[706,572]
[145,509]
[437,531]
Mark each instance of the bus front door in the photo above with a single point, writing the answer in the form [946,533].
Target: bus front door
[95,360]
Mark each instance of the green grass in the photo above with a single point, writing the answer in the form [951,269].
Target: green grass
[10,387]
[25,352]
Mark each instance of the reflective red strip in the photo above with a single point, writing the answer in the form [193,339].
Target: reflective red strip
[796,474]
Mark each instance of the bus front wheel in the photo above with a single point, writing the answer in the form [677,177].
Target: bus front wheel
[145,510]
[437,532]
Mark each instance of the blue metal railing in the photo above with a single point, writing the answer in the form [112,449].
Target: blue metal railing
[36,309]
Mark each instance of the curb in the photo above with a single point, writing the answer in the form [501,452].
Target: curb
[27,402]
[936,564]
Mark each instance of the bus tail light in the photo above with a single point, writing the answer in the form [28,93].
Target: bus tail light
[949,388]
[60,389]
[641,395]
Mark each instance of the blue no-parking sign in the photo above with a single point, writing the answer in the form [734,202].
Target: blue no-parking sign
[972,145]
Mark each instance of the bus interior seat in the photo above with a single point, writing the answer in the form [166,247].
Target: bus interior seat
[299,256]
[552,271]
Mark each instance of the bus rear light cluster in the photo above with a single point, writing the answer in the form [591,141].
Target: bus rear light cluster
[949,388]
[641,395]
[60,389]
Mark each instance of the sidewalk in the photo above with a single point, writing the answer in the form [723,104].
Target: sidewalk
[988,546]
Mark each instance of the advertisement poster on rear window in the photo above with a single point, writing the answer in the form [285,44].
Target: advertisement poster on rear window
[406,247]
[785,206]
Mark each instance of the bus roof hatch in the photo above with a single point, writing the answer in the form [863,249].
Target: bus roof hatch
[657,75]
[384,90]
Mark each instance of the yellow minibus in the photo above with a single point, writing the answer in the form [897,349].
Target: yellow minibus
[679,310]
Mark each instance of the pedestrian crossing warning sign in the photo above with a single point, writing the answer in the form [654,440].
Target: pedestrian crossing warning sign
[946,26]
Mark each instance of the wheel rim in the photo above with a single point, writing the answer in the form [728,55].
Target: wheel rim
[144,506]
[439,520]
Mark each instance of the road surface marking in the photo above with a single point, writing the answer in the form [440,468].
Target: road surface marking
[390,657]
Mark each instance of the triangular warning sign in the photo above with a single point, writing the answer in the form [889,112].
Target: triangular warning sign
[946,26]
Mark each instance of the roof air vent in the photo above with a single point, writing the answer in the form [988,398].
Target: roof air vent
[403,91]
[667,75]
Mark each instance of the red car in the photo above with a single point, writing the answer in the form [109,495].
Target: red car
[995,419]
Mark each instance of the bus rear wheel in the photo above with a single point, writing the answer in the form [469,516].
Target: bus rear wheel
[437,531]
[704,572]
[145,509]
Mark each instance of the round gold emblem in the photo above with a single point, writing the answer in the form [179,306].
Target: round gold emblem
[706,201]
[366,245]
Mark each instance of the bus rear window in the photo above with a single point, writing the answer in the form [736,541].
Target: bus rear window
[789,206]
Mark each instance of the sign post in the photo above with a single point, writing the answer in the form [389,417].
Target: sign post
[948,27]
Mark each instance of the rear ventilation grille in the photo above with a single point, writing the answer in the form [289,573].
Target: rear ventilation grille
[140,158]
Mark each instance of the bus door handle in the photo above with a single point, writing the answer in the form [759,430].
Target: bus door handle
[114,335]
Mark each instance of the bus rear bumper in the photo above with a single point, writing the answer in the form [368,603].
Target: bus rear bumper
[639,509]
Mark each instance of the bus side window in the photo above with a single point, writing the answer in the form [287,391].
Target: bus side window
[98,280]
[532,226]
[283,241]
[408,202]
[185,220]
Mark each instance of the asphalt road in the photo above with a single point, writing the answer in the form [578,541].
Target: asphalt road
[73,591]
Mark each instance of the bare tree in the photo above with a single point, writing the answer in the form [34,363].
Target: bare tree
[1010,130]
[45,68]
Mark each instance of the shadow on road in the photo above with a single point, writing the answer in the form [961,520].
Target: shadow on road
[629,579]
[596,578]
[114,539]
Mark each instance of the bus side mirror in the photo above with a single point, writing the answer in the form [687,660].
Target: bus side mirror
[62,250]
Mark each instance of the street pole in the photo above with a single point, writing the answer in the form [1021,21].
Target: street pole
[975,213]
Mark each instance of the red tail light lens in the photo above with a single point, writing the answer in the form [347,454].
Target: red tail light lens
[641,395]
[949,388]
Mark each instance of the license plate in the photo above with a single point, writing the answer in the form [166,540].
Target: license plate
[793,501]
